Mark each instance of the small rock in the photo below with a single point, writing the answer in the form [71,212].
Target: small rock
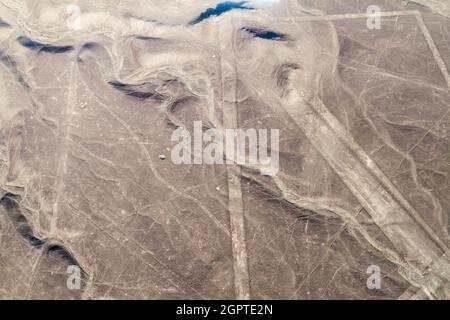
[162,157]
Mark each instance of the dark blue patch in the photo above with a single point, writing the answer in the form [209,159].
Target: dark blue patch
[21,224]
[219,9]
[11,65]
[63,253]
[266,34]
[4,24]
[145,38]
[136,91]
[89,45]
[37,46]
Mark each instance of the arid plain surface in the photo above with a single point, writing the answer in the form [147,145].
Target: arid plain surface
[89,103]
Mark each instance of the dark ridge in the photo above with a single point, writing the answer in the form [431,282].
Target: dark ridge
[181,102]
[266,34]
[4,24]
[118,85]
[136,91]
[86,46]
[219,9]
[282,73]
[40,47]
[96,48]
[275,196]
[19,221]
[144,38]
[172,81]
[48,122]
[64,254]
[172,108]
[12,66]
[262,190]
[172,125]
[89,45]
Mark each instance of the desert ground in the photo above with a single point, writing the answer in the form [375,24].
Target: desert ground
[92,91]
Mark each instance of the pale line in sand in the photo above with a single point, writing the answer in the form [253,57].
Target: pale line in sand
[235,200]
[437,56]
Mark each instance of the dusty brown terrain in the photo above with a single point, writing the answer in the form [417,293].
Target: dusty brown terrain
[88,107]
